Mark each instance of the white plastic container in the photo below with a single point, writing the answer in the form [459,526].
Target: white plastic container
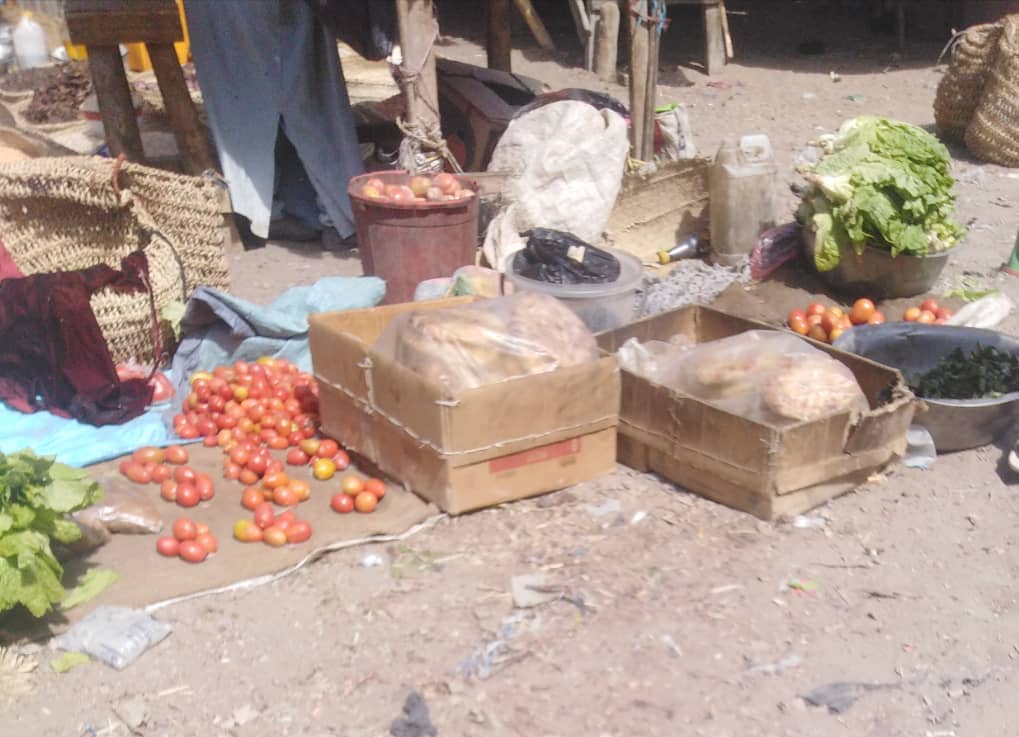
[600,306]
[742,188]
[30,43]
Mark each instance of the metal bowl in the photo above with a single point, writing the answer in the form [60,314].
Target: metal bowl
[877,274]
[955,424]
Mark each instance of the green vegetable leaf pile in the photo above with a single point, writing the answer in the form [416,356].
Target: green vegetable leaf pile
[36,495]
[881,183]
[984,373]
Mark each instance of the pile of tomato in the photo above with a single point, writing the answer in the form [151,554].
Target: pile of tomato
[181,484]
[826,324]
[191,541]
[929,312]
[272,529]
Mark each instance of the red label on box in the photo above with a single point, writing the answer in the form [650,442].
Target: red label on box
[535,455]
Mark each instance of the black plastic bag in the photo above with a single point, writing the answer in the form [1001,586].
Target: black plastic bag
[555,257]
[368,26]
[597,100]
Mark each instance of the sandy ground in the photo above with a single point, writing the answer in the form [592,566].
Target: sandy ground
[677,616]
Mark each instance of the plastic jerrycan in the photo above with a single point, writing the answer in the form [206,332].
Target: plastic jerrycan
[30,43]
[741,183]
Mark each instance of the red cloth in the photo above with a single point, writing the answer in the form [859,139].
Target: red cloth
[52,353]
[8,268]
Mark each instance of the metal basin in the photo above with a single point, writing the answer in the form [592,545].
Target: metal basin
[877,274]
[955,424]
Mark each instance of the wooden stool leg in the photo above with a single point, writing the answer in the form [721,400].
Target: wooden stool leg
[114,97]
[187,129]
[714,39]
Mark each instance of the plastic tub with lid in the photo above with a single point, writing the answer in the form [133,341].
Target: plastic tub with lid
[600,306]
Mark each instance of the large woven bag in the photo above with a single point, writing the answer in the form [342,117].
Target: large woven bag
[960,89]
[64,214]
[993,134]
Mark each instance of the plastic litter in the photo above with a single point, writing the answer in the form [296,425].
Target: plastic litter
[802,522]
[115,635]
[838,697]
[775,247]
[986,312]
[415,721]
[920,449]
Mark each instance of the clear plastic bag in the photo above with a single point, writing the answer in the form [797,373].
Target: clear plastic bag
[763,375]
[124,509]
[115,635]
[656,359]
[489,341]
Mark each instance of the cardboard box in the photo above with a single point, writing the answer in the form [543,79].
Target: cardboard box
[482,447]
[761,469]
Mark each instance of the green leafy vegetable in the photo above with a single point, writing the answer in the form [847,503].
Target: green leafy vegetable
[36,494]
[984,373]
[67,661]
[93,583]
[881,183]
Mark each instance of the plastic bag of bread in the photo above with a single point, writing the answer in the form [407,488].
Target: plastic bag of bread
[764,375]
[488,341]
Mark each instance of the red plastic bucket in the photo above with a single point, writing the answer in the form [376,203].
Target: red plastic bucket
[406,243]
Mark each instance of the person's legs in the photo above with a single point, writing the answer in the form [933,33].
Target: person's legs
[296,213]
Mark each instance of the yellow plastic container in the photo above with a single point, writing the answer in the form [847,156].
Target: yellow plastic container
[137,55]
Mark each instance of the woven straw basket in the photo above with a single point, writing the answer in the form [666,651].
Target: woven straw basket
[64,214]
[993,135]
[960,89]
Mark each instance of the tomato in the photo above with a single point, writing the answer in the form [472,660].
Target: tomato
[148,455]
[818,333]
[799,325]
[813,320]
[264,515]
[168,546]
[275,536]
[184,474]
[201,528]
[929,305]
[279,442]
[207,426]
[240,455]
[877,318]
[168,490]
[286,518]
[200,376]
[815,308]
[161,473]
[297,457]
[377,487]
[206,488]
[861,312]
[912,314]
[831,319]
[943,313]
[342,460]
[208,541]
[298,532]
[310,446]
[217,404]
[137,473]
[210,441]
[247,531]
[285,496]
[248,477]
[252,497]
[240,393]
[324,469]
[187,494]
[835,333]
[926,317]
[365,502]
[327,448]
[185,529]
[193,552]
[187,432]
[275,479]
[301,489]
[232,472]
[353,485]
[258,462]
[274,466]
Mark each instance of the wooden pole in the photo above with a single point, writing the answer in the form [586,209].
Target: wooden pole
[638,77]
[114,98]
[606,46]
[418,31]
[651,93]
[191,141]
[534,22]
[497,17]
[714,39]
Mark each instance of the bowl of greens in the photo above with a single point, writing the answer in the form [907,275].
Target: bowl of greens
[967,377]
[878,209]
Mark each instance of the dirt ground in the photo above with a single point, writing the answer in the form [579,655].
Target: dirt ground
[677,616]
